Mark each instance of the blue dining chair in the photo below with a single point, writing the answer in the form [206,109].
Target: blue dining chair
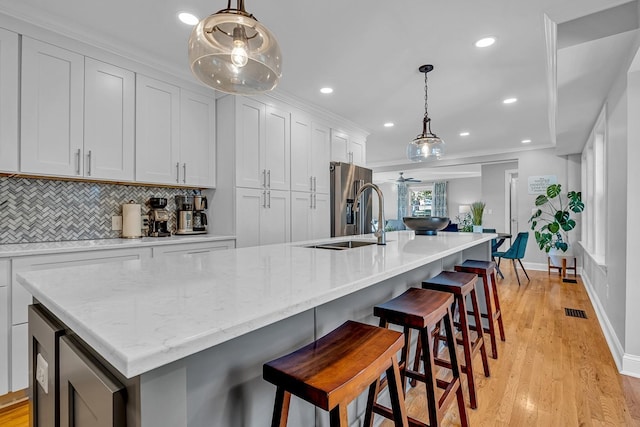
[495,245]
[515,252]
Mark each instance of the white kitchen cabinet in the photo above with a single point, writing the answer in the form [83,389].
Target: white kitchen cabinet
[309,216]
[310,155]
[20,298]
[109,125]
[8,103]
[157,132]
[193,248]
[52,110]
[262,217]
[262,141]
[4,339]
[348,148]
[197,139]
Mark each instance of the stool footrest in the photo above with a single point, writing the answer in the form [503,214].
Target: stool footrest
[386,412]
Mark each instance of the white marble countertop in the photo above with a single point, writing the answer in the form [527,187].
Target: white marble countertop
[42,248]
[143,314]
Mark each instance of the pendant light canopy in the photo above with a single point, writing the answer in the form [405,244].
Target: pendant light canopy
[427,145]
[232,52]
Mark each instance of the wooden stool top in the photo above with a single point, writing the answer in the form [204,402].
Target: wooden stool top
[416,308]
[477,267]
[458,283]
[337,367]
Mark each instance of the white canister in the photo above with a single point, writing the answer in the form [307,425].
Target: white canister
[131,220]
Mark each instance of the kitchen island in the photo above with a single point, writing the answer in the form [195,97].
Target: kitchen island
[188,337]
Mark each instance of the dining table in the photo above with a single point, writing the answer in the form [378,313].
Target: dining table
[495,246]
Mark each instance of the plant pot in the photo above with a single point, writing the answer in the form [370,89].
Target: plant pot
[477,229]
[556,255]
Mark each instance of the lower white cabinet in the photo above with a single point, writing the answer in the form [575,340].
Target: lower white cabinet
[309,216]
[193,248]
[262,217]
[4,339]
[19,356]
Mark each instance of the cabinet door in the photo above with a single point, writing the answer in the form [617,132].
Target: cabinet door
[301,206]
[301,175]
[250,202]
[320,158]
[250,132]
[358,152]
[277,148]
[197,139]
[157,131]
[19,357]
[89,395]
[52,110]
[339,146]
[109,122]
[8,103]
[275,219]
[4,340]
[320,227]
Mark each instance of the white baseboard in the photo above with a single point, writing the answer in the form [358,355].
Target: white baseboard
[607,329]
[631,365]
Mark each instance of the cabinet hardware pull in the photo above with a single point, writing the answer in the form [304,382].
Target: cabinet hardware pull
[310,183]
[78,162]
[264,178]
[310,201]
[315,201]
[89,165]
[315,183]
[264,199]
[178,173]
[184,170]
[269,195]
[269,180]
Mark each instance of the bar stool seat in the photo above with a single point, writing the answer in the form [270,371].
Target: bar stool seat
[421,309]
[461,285]
[335,369]
[486,270]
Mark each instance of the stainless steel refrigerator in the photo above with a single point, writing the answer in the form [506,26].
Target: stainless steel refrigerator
[346,180]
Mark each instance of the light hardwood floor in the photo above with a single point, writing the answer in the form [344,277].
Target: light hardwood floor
[553,370]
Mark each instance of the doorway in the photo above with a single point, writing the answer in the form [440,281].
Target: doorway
[511,201]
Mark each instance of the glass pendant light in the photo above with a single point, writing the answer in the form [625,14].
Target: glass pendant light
[232,52]
[427,145]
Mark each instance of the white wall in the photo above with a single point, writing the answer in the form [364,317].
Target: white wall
[493,194]
[462,191]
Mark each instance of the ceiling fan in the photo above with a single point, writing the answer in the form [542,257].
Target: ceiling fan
[401,179]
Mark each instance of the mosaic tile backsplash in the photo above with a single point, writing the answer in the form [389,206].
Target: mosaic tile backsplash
[42,210]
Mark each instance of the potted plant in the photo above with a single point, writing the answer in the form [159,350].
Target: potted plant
[552,219]
[477,210]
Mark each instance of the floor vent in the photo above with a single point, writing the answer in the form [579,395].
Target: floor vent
[572,312]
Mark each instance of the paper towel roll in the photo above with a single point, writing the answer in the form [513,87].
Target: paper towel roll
[131,220]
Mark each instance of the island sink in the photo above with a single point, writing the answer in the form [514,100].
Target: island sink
[339,246]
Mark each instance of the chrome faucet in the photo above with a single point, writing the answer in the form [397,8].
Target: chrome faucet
[382,240]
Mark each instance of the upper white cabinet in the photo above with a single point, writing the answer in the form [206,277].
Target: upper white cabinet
[262,217]
[197,138]
[8,102]
[158,132]
[310,154]
[52,110]
[262,139]
[77,115]
[109,125]
[348,148]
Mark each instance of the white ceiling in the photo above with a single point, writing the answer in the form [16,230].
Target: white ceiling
[370,54]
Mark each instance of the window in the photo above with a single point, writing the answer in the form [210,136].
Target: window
[421,201]
[594,194]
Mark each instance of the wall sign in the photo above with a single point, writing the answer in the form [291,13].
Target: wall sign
[538,184]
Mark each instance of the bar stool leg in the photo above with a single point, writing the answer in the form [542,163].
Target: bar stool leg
[496,300]
[468,362]
[396,394]
[281,408]
[455,367]
[430,378]
[338,416]
[478,321]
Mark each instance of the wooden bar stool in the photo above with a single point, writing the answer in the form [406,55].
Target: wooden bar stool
[460,285]
[486,270]
[335,369]
[421,309]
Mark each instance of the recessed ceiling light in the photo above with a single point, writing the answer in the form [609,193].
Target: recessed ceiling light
[485,42]
[509,100]
[389,124]
[326,90]
[464,133]
[526,141]
[188,18]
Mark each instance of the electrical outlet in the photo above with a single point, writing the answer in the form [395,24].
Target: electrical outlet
[116,222]
[144,221]
[42,373]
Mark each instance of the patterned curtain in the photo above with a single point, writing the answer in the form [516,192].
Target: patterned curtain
[439,199]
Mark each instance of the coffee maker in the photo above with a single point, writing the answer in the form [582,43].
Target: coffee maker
[184,206]
[199,216]
[158,218]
